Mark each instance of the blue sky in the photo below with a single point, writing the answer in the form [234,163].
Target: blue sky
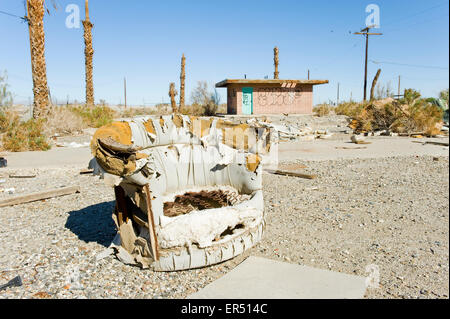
[143,41]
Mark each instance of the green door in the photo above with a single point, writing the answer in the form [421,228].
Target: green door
[247,100]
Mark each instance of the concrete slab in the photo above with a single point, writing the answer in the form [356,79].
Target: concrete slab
[54,158]
[261,278]
[319,150]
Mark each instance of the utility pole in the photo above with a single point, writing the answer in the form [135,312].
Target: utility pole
[366,33]
[337,100]
[398,86]
[308,74]
[125,90]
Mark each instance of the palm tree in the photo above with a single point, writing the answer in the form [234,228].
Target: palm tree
[89,54]
[35,18]
[275,61]
[182,80]
[172,93]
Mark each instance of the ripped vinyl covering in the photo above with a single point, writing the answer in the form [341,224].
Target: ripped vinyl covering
[190,189]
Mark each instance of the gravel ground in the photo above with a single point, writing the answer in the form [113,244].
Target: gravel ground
[391,212]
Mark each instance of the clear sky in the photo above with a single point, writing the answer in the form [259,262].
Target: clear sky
[143,41]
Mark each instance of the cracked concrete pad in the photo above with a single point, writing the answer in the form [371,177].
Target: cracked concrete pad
[261,278]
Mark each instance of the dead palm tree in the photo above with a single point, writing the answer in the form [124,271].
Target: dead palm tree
[89,54]
[172,93]
[275,61]
[182,81]
[35,18]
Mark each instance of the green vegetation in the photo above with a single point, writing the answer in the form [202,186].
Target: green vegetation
[22,136]
[95,116]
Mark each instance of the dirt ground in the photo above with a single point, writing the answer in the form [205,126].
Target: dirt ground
[387,210]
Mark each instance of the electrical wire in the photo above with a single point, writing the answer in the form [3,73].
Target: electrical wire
[411,65]
[13,15]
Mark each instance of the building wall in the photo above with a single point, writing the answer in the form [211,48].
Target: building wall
[272,99]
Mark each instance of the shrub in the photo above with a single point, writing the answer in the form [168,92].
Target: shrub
[23,136]
[350,109]
[322,110]
[204,102]
[410,114]
[62,120]
[95,116]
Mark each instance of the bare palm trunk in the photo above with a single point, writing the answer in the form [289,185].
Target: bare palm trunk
[36,12]
[276,61]
[89,54]
[374,84]
[182,81]
[172,94]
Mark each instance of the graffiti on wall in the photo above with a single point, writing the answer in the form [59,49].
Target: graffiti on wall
[278,96]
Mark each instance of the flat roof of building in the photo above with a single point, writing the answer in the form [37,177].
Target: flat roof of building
[281,82]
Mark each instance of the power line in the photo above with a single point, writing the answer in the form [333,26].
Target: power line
[13,15]
[411,65]
[394,22]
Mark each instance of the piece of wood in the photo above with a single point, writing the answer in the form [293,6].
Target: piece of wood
[39,196]
[351,148]
[122,210]
[291,173]
[22,176]
[151,224]
[432,142]
[86,171]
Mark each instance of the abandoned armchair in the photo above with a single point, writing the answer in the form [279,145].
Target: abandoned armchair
[190,188]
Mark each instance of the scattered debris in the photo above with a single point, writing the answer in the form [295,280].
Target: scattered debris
[432,143]
[11,190]
[351,148]
[358,139]
[73,145]
[3,162]
[291,173]
[15,282]
[39,196]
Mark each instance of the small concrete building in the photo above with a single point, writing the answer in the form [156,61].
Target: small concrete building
[269,96]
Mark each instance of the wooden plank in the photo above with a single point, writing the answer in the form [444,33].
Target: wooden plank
[122,210]
[22,176]
[291,173]
[86,171]
[40,196]
[151,224]
[432,142]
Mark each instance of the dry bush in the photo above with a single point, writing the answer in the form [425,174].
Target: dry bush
[95,116]
[204,102]
[350,109]
[22,136]
[322,110]
[193,109]
[62,120]
[407,115]
[160,109]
